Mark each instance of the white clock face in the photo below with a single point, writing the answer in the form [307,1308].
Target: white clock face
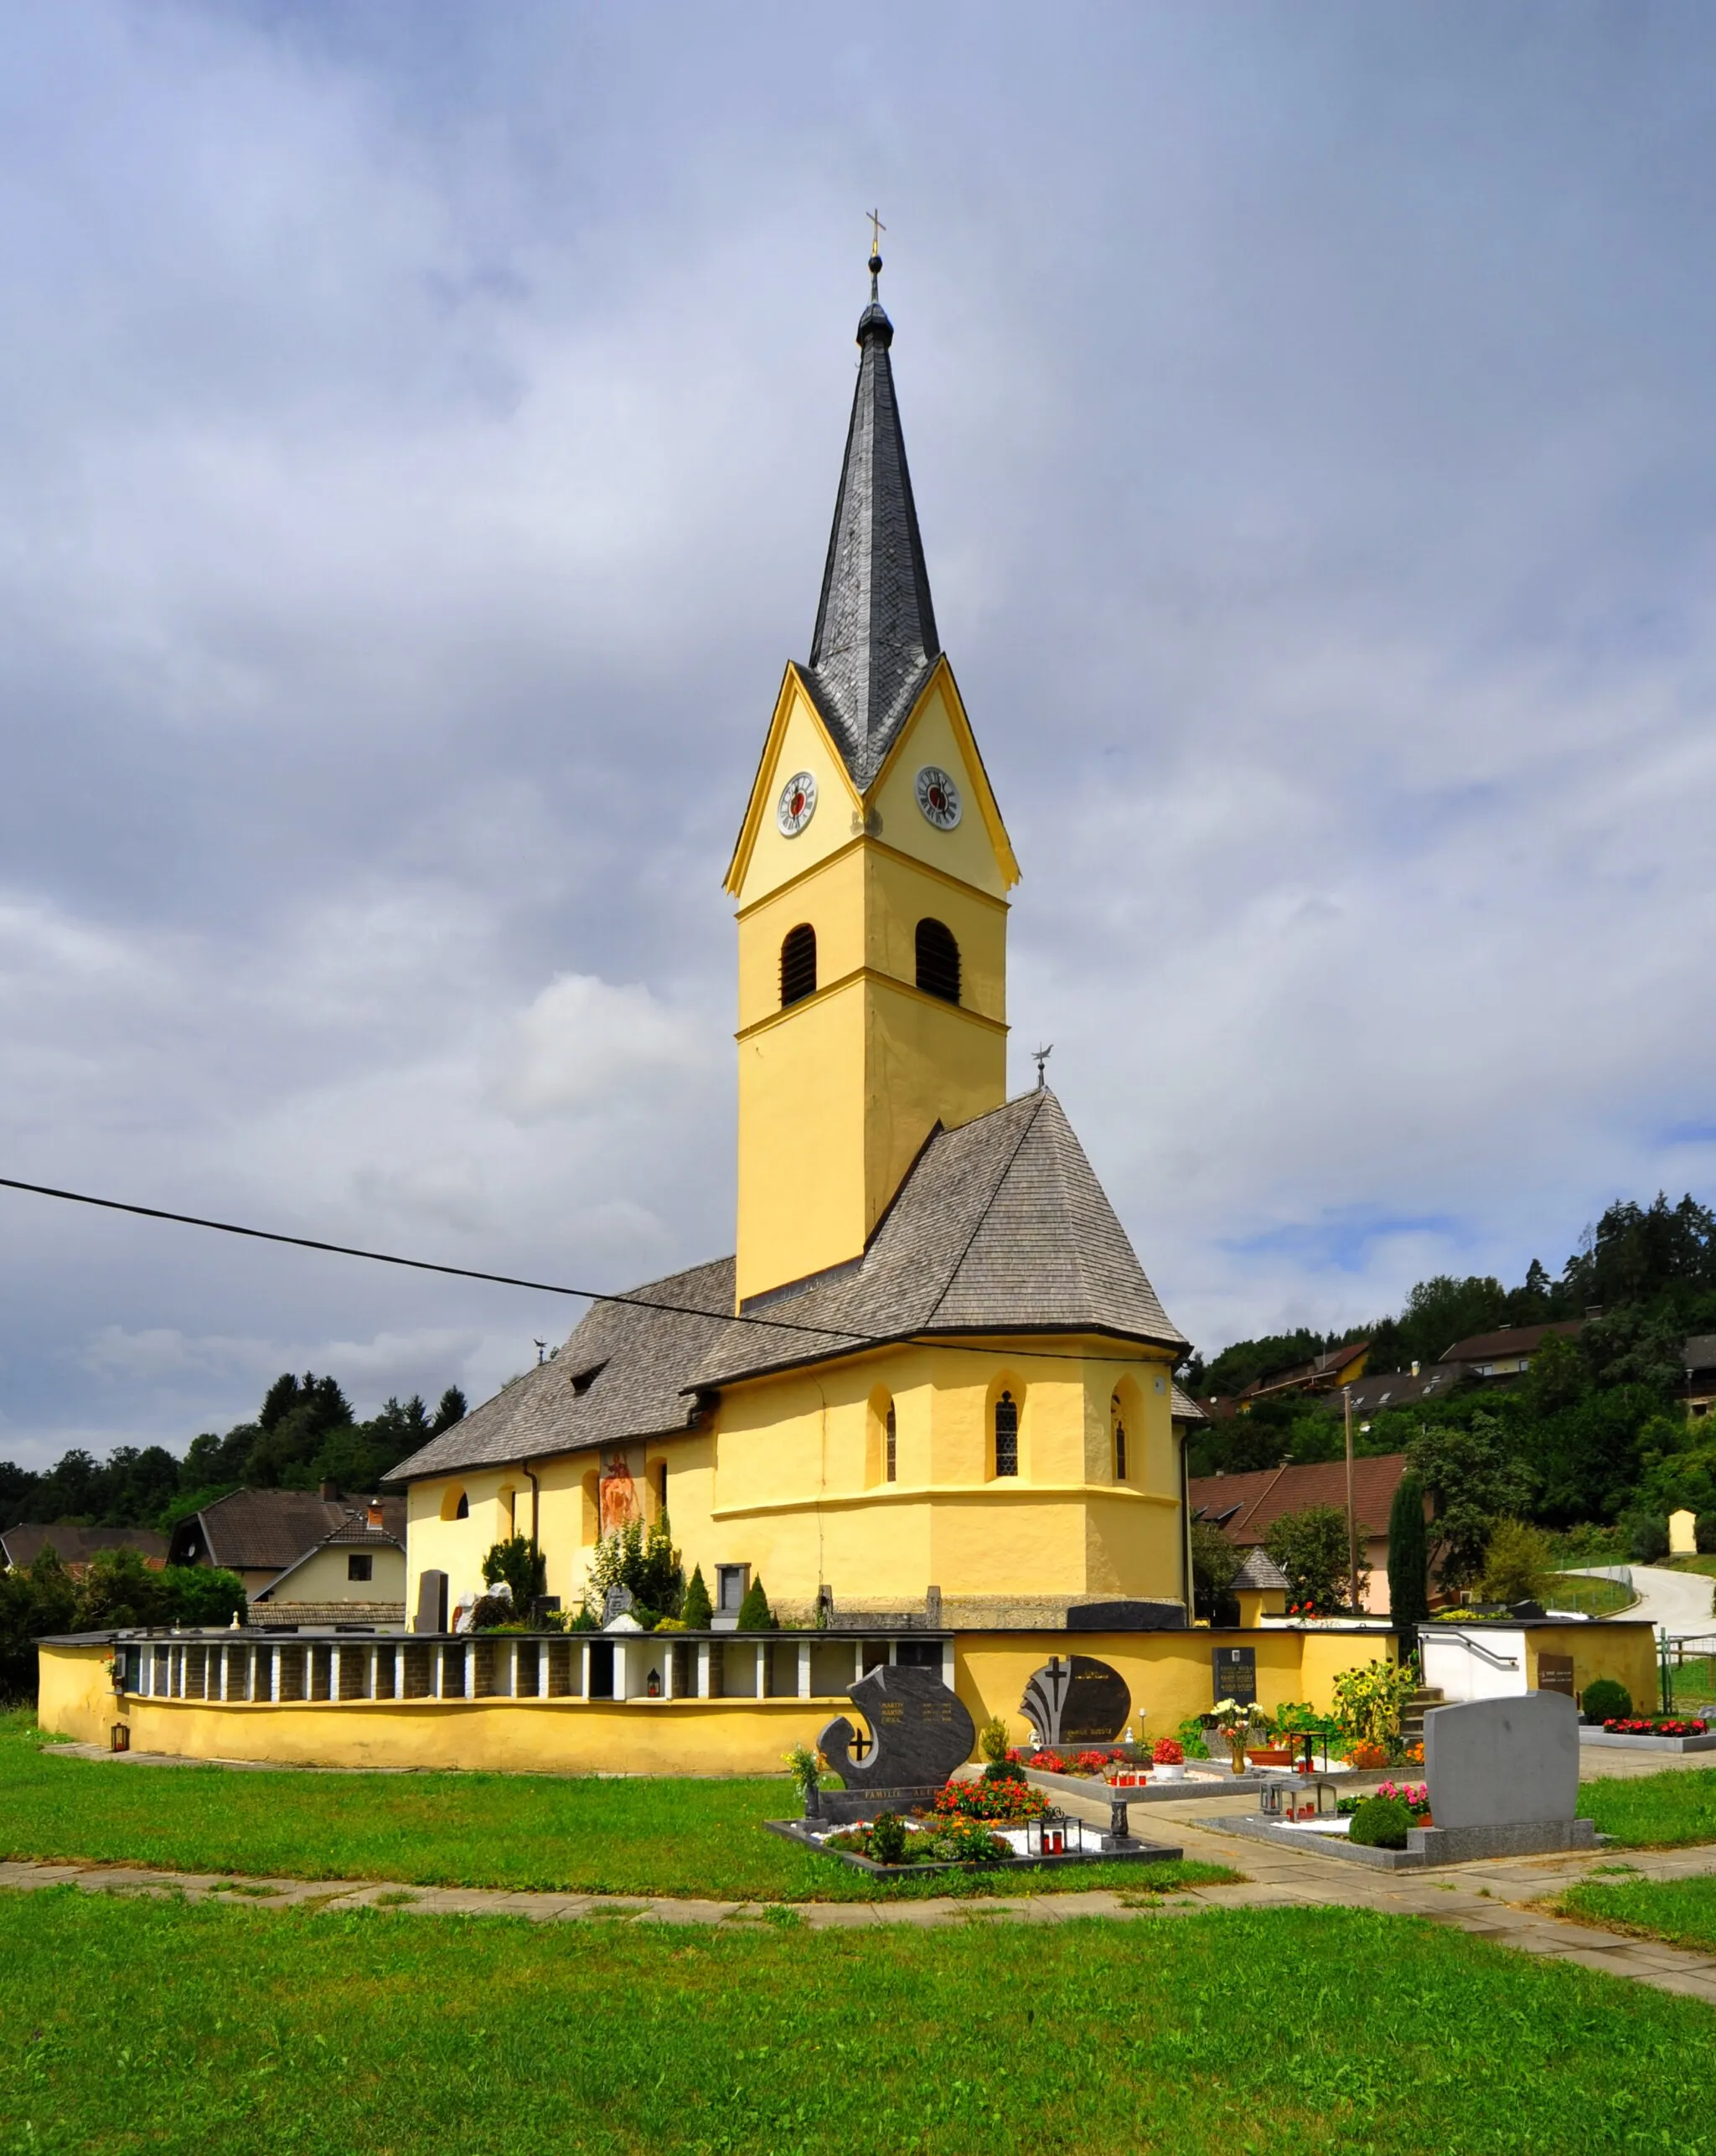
[938,797]
[797,804]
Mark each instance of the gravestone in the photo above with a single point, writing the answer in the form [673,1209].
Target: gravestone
[615,1603]
[921,1732]
[1076,1701]
[1234,1672]
[1503,1777]
[432,1602]
[1555,1673]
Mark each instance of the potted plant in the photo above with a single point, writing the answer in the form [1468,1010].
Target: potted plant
[1168,1757]
[1235,1723]
[804,1764]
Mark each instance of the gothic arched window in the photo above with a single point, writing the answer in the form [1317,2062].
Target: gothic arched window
[890,1463]
[938,961]
[1120,1442]
[799,964]
[1006,1435]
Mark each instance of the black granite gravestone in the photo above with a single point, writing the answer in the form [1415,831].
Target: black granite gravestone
[1555,1673]
[1078,1701]
[1235,1670]
[921,1732]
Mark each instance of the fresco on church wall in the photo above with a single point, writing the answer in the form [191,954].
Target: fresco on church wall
[617,1494]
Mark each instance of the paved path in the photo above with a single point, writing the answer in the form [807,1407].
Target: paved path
[1679,1603]
[1494,1899]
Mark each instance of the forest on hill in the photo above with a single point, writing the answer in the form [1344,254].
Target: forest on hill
[304,1434]
[1596,1431]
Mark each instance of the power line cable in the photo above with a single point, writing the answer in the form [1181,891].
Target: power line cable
[823,1332]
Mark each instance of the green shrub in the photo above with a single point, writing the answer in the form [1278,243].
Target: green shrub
[697,1616]
[754,1614]
[523,1567]
[1381,1823]
[993,1743]
[1408,1556]
[1606,1700]
[1647,1537]
[1192,1740]
[887,1839]
[1003,1770]
[1516,1564]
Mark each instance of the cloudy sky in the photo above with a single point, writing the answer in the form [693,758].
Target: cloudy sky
[420,425]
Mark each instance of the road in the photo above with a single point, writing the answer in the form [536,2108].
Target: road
[1678,1603]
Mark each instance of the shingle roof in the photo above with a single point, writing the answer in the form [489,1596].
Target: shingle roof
[1245,1506]
[875,636]
[21,1545]
[1397,1389]
[1258,1570]
[632,1363]
[1699,1352]
[1185,1408]
[1510,1340]
[268,1530]
[1000,1226]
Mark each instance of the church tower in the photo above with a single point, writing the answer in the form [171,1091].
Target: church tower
[870,877]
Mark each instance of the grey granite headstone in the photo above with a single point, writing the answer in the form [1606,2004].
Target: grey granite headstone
[432,1602]
[1510,1762]
[615,1603]
[920,1729]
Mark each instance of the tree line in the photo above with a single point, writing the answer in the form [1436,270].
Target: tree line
[1594,1437]
[304,1435]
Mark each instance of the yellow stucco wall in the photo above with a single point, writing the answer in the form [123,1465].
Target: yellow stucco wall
[789,1480]
[322,1578]
[1625,1652]
[838,1092]
[77,1699]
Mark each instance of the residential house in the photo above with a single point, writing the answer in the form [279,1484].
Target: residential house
[1509,1352]
[305,1556]
[1245,1507]
[75,1545]
[1699,1358]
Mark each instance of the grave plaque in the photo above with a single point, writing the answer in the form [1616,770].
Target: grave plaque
[921,1732]
[1555,1673]
[432,1602]
[1076,1701]
[1235,1671]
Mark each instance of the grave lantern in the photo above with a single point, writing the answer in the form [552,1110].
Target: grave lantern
[1292,1800]
[1053,1835]
[651,1685]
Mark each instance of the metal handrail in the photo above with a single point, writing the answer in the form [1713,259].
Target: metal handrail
[1474,1647]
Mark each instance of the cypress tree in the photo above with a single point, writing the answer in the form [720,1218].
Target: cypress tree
[1409,1557]
[754,1614]
[696,1615]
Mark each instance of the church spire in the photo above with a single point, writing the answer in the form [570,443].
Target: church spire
[875,639]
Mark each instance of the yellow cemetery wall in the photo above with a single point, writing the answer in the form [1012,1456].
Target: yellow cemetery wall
[1625,1652]
[76,1697]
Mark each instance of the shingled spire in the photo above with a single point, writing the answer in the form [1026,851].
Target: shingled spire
[876,638]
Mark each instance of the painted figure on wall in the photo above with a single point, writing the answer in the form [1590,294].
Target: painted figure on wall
[617,1494]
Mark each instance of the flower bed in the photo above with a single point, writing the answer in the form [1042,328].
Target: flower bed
[1089,1763]
[1654,1725]
[1415,1795]
[1011,1802]
[953,1841]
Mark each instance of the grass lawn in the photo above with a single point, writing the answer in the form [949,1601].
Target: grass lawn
[583,1834]
[139,2025]
[1658,1811]
[1598,1598]
[1681,1911]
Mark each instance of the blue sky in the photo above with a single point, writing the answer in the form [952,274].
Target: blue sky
[421,426]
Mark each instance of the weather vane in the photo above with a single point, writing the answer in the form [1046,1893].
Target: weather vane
[1042,1055]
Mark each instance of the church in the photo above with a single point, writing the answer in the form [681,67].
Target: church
[932,1383]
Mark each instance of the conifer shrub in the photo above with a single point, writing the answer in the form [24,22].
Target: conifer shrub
[754,1614]
[887,1839]
[1603,1699]
[1381,1823]
[698,1614]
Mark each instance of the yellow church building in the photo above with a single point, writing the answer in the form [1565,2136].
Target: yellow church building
[929,1401]
[932,1378]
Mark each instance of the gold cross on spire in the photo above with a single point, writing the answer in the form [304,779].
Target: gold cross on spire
[877,229]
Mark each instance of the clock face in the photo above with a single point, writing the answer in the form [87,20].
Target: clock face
[797,804]
[938,797]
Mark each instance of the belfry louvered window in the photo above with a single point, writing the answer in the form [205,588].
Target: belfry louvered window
[1006,1435]
[799,964]
[938,961]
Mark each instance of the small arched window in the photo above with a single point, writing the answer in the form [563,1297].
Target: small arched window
[461,1511]
[1006,1435]
[938,961]
[1119,1444]
[890,1463]
[799,964]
